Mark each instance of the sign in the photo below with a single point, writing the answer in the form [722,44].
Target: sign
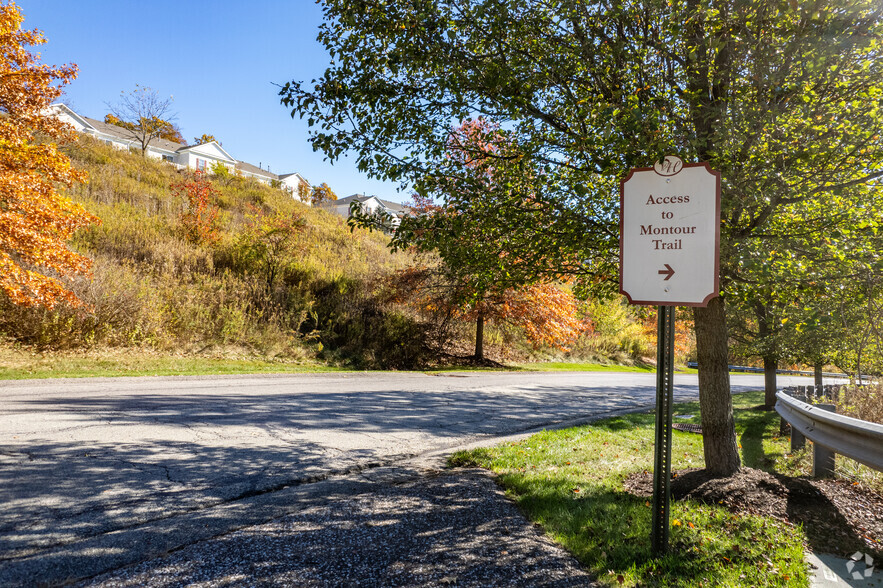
[669,234]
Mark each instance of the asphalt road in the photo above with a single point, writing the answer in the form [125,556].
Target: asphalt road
[90,461]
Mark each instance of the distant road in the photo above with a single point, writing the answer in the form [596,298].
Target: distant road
[83,457]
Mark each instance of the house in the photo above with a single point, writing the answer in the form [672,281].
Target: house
[297,185]
[205,157]
[368,204]
[260,174]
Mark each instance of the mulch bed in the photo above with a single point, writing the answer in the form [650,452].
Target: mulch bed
[838,517]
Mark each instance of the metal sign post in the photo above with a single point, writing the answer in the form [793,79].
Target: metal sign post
[669,241]
[664,396]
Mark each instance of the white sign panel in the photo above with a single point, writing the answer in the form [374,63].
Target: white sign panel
[669,234]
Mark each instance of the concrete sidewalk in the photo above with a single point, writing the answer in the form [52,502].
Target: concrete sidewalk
[830,571]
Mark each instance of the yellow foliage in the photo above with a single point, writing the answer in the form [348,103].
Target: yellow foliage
[35,220]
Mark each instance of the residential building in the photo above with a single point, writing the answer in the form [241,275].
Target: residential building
[204,157]
[369,204]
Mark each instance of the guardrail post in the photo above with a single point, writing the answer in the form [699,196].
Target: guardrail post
[822,457]
[783,424]
[798,441]
[810,394]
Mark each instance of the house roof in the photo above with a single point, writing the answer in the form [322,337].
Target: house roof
[124,134]
[67,110]
[302,179]
[255,170]
[394,206]
[214,144]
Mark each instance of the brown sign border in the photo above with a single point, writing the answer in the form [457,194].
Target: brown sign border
[717,236]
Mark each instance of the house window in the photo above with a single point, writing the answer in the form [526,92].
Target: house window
[200,164]
[168,158]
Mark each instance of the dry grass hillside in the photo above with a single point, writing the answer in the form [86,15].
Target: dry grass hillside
[155,288]
[317,294]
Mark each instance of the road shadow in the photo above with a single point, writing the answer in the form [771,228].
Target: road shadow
[152,455]
[452,529]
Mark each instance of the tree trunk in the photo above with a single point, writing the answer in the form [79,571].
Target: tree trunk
[479,335]
[770,365]
[715,403]
[770,361]
[817,368]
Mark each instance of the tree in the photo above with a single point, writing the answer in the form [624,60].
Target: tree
[478,273]
[145,116]
[167,130]
[756,327]
[269,243]
[783,99]
[546,313]
[801,298]
[322,193]
[202,140]
[861,349]
[36,221]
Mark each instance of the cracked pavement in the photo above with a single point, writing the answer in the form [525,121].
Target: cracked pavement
[84,459]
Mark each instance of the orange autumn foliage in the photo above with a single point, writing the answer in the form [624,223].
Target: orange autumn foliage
[200,218]
[36,221]
[684,339]
[548,314]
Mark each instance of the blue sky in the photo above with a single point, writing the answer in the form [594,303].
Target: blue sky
[217,59]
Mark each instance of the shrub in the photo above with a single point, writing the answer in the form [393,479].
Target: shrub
[268,244]
[220,171]
[200,219]
[360,332]
[862,402]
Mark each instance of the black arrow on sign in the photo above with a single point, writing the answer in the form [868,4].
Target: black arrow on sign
[668,273]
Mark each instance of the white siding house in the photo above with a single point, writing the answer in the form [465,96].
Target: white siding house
[204,157]
[368,204]
[297,186]
[200,157]
[251,171]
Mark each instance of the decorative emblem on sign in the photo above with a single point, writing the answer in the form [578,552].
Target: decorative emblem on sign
[669,166]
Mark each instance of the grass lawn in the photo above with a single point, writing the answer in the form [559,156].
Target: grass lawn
[571,483]
[563,366]
[559,366]
[20,365]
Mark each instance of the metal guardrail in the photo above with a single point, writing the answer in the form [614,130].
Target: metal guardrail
[758,370]
[853,438]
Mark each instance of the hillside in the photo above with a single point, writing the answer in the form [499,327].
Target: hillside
[277,281]
[155,288]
